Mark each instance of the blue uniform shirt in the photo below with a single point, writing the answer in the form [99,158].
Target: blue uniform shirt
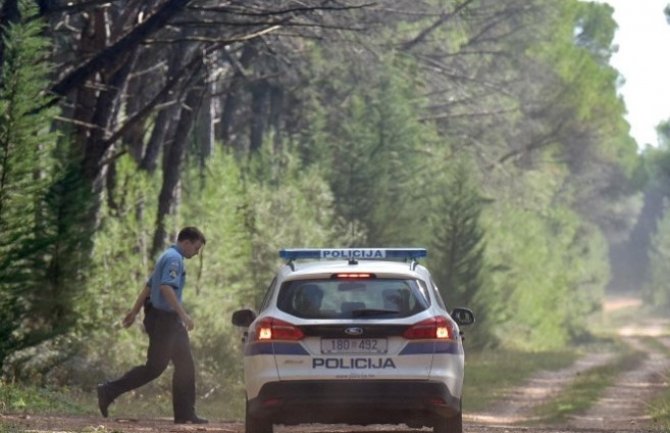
[169,271]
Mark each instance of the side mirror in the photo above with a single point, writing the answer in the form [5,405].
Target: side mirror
[463,316]
[243,318]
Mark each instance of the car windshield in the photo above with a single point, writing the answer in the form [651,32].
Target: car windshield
[366,298]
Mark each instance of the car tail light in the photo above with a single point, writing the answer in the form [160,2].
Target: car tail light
[269,328]
[435,328]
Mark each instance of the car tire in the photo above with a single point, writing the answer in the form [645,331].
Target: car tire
[254,424]
[452,424]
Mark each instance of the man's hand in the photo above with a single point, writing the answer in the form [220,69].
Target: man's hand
[188,322]
[129,319]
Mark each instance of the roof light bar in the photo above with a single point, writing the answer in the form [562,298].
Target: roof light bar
[352,253]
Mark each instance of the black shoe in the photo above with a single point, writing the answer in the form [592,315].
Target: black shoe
[192,420]
[104,399]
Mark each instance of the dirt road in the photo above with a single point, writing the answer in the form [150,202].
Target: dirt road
[621,408]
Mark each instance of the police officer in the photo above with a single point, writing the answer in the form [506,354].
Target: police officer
[167,324]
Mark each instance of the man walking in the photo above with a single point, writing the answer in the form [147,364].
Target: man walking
[167,324]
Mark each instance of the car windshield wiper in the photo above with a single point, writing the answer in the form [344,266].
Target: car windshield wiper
[372,312]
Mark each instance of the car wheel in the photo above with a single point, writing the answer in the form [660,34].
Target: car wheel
[452,424]
[253,424]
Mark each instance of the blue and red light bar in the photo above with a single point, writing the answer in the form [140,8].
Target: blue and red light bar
[291,254]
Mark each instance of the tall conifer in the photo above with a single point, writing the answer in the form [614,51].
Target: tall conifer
[457,248]
[36,284]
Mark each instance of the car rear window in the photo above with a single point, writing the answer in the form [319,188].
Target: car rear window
[360,298]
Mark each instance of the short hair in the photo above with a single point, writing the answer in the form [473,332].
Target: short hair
[191,234]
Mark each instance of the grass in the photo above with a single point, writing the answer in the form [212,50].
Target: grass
[585,390]
[659,408]
[490,373]
[32,399]
[151,401]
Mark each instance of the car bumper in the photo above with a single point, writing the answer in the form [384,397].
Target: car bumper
[354,402]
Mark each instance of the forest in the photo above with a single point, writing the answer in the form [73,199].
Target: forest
[490,132]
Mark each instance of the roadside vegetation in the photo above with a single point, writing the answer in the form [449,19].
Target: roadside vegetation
[659,408]
[23,399]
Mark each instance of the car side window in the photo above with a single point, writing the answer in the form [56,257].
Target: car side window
[268,295]
[424,291]
[438,297]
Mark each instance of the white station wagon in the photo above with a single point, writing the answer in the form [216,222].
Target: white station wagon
[353,336]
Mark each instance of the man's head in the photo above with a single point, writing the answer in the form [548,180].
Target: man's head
[310,298]
[190,240]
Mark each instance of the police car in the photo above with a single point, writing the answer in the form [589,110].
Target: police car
[353,336]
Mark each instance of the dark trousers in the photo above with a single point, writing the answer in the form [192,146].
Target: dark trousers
[168,341]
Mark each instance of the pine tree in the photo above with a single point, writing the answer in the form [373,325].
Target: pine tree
[458,245]
[37,276]
[456,253]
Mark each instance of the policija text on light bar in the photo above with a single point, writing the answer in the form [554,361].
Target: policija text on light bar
[352,253]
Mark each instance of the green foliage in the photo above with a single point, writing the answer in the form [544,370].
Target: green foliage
[524,265]
[121,266]
[584,91]
[219,280]
[457,246]
[374,166]
[549,272]
[581,116]
[15,398]
[247,218]
[285,205]
[40,272]
[458,238]
[658,287]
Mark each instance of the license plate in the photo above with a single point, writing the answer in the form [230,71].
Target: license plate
[353,345]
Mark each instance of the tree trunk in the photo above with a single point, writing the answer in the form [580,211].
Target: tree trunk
[165,122]
[233,95]
[259,97]
[174,156]
[205,127]
[276,108]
